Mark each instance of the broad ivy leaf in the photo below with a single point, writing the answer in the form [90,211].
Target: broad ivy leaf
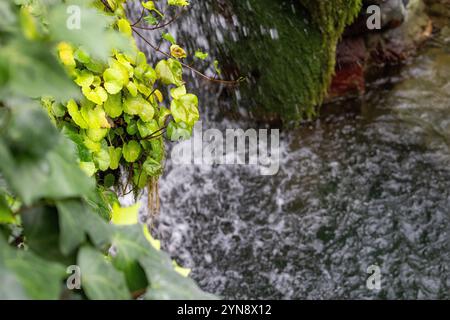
[55,176]
[11,288]
[70,214]
[99,279]
[42,230]
[35,73]
[91,31]
[29,132]
[132,89]
[30,276]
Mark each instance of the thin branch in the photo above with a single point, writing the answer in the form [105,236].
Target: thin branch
[140,18]
[164,24]
[225,82]
[107,6]
[153,134]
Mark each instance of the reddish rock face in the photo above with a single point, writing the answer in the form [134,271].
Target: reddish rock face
[362,49]
[350,61]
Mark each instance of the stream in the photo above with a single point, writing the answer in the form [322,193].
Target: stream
[368,183]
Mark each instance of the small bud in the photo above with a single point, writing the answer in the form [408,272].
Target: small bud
[177,52]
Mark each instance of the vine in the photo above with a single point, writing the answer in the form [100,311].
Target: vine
[53,217]
[123,116]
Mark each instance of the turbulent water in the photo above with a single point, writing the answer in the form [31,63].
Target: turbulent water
[367,184]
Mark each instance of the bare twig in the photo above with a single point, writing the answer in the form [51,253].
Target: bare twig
[226,82]
[140,18]
[162,25]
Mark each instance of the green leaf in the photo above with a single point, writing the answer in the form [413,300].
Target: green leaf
[132,89]
[82,56]
[96,135]
[29,276]
[55,176]
[92,33]
[113,80]
[58,109]
[178,131]
[11,288]
[201,55]
[113,106]
[135,105]
[99,279]
[125,216]
[70,214]
[177,93]
[97,95]
[84,79]
[102,159]
[170,72]
[29,132]
[75,113]
[6,214]
[88,168]
[151,20]
[216,67]
[35,73]
[169,37]
[185,109]
[131,151]
[115,154]
[150,5]
[147,113]
[124,27]
[42,230]
[178,3]
[152,167]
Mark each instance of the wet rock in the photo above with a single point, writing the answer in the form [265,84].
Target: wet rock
[363,52]
[393,12]
[349,77]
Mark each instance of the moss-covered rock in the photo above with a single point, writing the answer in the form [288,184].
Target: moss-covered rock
[287,48]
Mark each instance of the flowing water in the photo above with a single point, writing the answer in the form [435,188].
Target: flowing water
[366,184]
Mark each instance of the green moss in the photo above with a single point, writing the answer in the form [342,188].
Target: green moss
[288,50]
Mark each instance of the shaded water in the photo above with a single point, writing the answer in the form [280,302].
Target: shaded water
[367,184]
